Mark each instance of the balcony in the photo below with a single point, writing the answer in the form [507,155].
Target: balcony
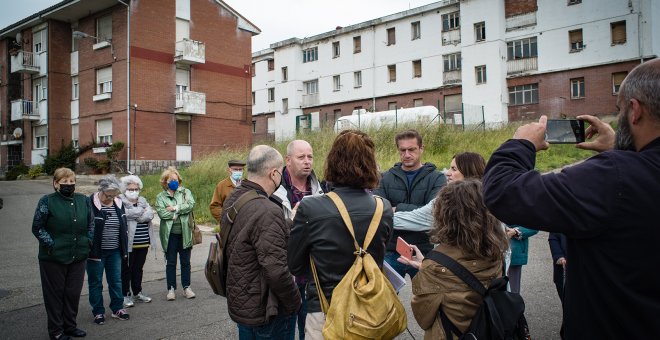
[24,109]
[189,52]
[522,65]
[310,99]
[520,21]
[451,37]
[451,77]
[25,62]
[191,103]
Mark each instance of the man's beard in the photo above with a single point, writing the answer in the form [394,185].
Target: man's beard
[623,136]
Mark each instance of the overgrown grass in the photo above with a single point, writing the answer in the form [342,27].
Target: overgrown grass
[441,143]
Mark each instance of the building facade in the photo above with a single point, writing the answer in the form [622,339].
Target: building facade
[477,61]
[169,79]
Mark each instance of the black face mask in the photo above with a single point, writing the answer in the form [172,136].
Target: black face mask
[67,189]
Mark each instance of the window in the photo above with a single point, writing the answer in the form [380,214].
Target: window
[285,74]
[104,131]
[415,31]
[104,80]
[391,71]
[271,94]
[311,86]
[75,132]
[357,44]
[253,70]
[577,88]
[271,64]
[182,79]
[391,36]
[618,32]
[450,21]
[418,102]
[182,132]
[254,98]
[285,105]
[336,83]
[357,79]
[480,74]
[75,88]
[40,137]
[452,62]
[104,28]
[480,31]
[39,41]
[310,54]
[391,105]
[524,94]
[335,49]
[575,40]
[254,126]
[40,90]
[574,2]
[417,68]
[617,79]
[523,48]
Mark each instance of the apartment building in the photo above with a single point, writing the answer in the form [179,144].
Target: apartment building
[478,61]
[170,79]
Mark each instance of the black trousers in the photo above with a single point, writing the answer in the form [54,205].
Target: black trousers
[61,285]
[131,271]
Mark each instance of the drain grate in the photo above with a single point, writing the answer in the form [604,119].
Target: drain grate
[4,293]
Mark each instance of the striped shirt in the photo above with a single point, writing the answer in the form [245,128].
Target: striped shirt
[141,238]
[111,229]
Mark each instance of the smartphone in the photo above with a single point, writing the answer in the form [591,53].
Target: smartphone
[564,131]
[403,248]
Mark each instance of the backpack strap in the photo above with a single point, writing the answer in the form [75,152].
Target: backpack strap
[448,326]
[233,210]
[458,270]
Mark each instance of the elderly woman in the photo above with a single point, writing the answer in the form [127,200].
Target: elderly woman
[174,205]
[319,230]
[63,223]
[140,236]
[109,247]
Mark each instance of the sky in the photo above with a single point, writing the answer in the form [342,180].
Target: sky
[278,19]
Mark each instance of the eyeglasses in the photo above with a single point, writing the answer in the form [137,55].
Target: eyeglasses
[110,197]
[132,190]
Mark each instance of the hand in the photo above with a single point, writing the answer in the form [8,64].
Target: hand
[535,133]
[416,261]
[170,208]
[511,232]
[561,261]
[604,135]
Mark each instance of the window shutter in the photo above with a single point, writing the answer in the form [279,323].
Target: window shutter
[619,32]
[575,36]
[453,103]
[41,130]
[104,28]
[75,131]
[104,127]
[103,75]
[183,77]
[617,78]
[182,29]
[183,132]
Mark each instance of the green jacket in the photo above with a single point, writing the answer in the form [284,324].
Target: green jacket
[184,201]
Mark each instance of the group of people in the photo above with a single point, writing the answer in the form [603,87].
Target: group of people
[601,211]
[108,232]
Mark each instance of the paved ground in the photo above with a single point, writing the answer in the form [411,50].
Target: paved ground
[22,314]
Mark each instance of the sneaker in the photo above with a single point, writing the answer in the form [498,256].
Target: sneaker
[121,315]
[141,297]
[99,319]
[128,302]
[188,293]
[170,294]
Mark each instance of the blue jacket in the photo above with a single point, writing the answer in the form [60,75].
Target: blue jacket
[520,248]
[607,206]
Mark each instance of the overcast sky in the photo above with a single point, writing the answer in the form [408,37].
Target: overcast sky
[277,19]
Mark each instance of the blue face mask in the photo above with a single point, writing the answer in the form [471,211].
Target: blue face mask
[236,175]
[173,185]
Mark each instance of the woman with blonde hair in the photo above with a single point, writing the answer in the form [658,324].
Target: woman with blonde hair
[174,205]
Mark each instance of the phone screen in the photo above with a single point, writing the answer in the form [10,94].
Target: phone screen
[564,131]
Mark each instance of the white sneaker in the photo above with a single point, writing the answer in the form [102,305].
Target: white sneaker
[188,293]
[128,302]
[141,297]
[170,295]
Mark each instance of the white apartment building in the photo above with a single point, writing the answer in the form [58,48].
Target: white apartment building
[477,61]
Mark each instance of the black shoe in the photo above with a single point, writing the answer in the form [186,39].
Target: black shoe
[76,333]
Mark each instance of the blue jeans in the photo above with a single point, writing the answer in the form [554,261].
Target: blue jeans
[282,327]
[402,269]
[302,312]
[174,247]
[111,263]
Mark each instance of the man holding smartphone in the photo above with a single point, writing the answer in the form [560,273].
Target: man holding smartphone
[607,206]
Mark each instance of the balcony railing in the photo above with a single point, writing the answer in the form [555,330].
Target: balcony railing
[451,77]
[189,52]
[522,65]
[310,99]
[25,62]
[24,109]
[451,37]
[188,102]
[520,21]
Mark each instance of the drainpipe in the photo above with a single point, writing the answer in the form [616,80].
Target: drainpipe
[128,85]
[373,76]
[639,33]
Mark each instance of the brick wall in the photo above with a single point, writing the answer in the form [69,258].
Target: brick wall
[59,85]
[517,7]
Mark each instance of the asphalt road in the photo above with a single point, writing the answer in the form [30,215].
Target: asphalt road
[22,313]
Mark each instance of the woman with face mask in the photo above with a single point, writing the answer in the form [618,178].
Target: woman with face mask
[140,236]
[63,223]
[174,205]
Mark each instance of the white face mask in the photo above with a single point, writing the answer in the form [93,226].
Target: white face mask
[132,195]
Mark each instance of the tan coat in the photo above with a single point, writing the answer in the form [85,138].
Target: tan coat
[436,286]
[222,191]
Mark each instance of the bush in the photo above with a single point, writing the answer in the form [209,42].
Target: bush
[36,171]
[16,171]
[64,158]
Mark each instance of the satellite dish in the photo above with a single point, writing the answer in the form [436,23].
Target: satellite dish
[18,133]
[19,37]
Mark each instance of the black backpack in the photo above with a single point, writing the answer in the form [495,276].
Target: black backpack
[500,316]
